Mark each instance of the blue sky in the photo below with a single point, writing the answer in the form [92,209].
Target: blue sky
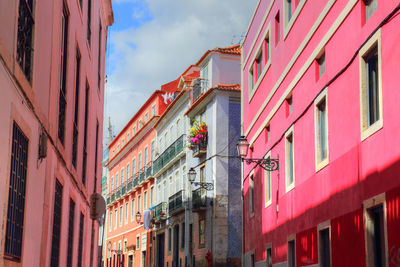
[153,41]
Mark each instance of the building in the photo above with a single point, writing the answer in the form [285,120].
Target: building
[131,185]
[51,84]
[320,96]
[170,177]
[213,215]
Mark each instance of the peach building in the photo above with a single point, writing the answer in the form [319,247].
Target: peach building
[51,106]
[130,185]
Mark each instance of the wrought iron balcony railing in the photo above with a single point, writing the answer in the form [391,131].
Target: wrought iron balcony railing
[175,202]
[199,198]
[112,197]
[108,200]
[123,189]
[118,193]
[200,148]
[170,153]
[160,211]
[136,182]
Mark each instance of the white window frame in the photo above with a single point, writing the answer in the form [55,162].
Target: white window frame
[319,164]
[368,204]
[126,212]
[152,195]
[366,131]
[133,131]
[320,227]
[267,176]
[251,187]
[110,221]
[121,215]
[154,110]
[145,200]
[290,238]
[116,218]
[132,209]
[288,24]
[292,185]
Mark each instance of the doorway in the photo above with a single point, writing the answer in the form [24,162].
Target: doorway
[160,250]
[175,259]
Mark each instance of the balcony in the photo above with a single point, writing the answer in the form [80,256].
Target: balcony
[123,190]
[136,182]
[129,185]
[160,212]
[108,200]
[142,175]
[199,199]
[200,86]
[200,149]
[112,197]
[118,193]
[175,203]
[168,155]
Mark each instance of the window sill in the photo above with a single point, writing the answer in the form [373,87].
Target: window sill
[288,25]
[290,187]
[321,164]
[365,133]
[268,203]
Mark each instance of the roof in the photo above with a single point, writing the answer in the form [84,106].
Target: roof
[221,87]
[230,50]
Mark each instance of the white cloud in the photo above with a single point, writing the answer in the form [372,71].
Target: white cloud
[158,51]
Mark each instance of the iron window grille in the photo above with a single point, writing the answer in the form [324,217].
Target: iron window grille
[16,194]
[25,37]
[80,245]
[70,232]
[55,247]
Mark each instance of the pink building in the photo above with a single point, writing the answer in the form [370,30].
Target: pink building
[51,88]
[320,95]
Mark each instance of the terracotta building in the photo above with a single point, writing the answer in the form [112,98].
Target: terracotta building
[51,87]
[320,97]
[131,183]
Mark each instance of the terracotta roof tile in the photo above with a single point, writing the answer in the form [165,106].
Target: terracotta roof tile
[231,50]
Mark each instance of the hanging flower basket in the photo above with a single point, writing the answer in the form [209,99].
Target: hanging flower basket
[197,139]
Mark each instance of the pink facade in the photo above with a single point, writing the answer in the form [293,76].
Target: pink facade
[320,95]
[52,115]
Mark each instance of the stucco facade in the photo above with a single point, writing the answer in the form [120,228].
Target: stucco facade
[319,94]
[39,226]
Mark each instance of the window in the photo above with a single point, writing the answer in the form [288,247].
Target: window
[140,124]
[253,261]
[112,184]
[84,161]
[126,212]
[80,245]
[145,200]
[166,139]
[267,48]
[55,241]
[140,161]
[121,214]
[178,128]
[153,110]
[321,65]
[183,236]
[25,37]
[161,144]
[205,76]
[202,232]
[171,186]
[152,196]
[99,60]
[70,231]
[116,218]
[133,131]
[289,105]
[277,29]
[289,160]
[371,86]
[370,7]
[62,102]
[89,21]
[125,245]
[375,230]
[110,222]
[267,133]
[146,156]
[268,184]
[128,137]
[321,130]
[258,65]
[134,167]
[117,147]
[137,242]
[146,117]
[123,143]
[16,194]
[288,10]
[152,150]
[169,239]
[191,233]
[75,123]
[117,180]
[138,204]
[291,253]
[268,258]
[251,194]
[132,209]
[95,154]
[324,248]
[127,172]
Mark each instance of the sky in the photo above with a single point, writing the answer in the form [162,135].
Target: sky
[153,41]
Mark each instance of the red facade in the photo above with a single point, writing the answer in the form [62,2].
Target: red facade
[323,99]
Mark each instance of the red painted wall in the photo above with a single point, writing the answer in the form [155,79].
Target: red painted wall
[357,169]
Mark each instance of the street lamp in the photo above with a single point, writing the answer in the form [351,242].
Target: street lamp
[192,177]
[138,217]
[266,164]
